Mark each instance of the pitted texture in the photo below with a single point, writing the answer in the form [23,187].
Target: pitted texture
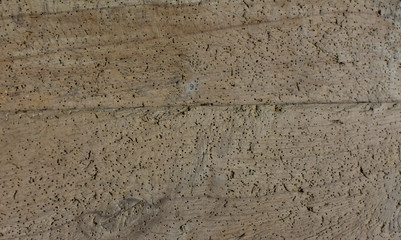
[197,119]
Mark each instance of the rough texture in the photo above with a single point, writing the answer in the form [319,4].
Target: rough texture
[200,119]
[219,172]
[228,52]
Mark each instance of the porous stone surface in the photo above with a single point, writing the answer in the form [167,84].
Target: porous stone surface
[200,119]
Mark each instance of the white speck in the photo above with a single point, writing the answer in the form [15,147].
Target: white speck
[399,4]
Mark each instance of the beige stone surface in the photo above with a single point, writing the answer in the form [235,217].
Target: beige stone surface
[200,119]
[228,52]
[294,171]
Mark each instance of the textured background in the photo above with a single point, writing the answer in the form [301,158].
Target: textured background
[191,119]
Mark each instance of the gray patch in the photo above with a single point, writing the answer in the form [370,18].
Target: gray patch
[192,87]
[122,218]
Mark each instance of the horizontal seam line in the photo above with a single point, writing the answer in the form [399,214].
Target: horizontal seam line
[194,105]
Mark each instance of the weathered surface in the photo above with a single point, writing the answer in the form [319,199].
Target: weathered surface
[85,55]
[104,136]
[298,171]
